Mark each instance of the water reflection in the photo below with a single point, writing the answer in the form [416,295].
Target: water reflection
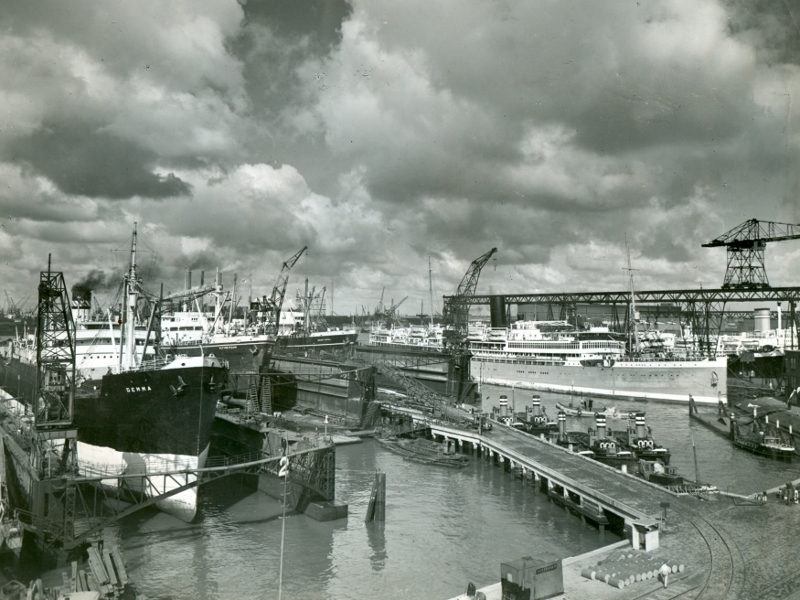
[376,536]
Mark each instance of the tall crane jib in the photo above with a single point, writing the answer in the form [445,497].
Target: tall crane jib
[456,308]
[272,306]
[745,245]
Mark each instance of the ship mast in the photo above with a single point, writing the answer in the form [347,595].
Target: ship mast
[430,288]
[128,357]
[633,329]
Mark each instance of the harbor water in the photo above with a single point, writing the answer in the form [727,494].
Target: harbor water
[443,529]
[718,461]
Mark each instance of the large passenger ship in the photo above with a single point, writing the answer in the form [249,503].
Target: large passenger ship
[554,356]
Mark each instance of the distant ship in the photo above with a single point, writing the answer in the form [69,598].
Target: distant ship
[135,411]
[248,344]
[555,356]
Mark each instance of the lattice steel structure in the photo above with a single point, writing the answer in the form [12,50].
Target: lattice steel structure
[745,246]
[703,309]
[456,308]
[55,353]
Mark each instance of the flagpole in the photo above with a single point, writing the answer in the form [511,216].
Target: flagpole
[283,472]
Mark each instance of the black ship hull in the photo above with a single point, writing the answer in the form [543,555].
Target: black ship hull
[140,421]
[149,412]
[320,341]
[762,450]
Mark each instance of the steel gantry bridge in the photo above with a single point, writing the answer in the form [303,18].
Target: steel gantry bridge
[703,309]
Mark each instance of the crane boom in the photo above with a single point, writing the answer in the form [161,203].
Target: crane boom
[754,231]
[274,303]
[745,246]
[456,308]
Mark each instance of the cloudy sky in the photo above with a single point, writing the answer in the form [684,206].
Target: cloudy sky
[382,133]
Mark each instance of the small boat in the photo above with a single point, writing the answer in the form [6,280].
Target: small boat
[656,472]
[605,447]
[639,441]
[761,442]
[423,451]
[535,420]
[583,410]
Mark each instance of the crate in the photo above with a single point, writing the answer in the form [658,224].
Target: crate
[530,578]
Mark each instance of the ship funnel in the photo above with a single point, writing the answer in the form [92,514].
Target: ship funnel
[81,303]
[562,425]
[600,422]
[641,429]
[536,406]
[503,406]
[497,311]
[762,319]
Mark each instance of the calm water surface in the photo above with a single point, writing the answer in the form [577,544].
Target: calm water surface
[443,527]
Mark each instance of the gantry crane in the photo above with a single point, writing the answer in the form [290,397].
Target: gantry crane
[456,308]
[746,244]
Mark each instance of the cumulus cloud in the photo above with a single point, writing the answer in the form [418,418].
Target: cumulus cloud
[237,133]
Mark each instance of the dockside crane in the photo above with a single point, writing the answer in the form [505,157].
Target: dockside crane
[456,308]
[272,306]
[390,314]
[745,246]
[379,310]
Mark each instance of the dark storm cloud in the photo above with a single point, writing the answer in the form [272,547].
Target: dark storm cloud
[278,36]
[773,28]
[320,21]
[83,159]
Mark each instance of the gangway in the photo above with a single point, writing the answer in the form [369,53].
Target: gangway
[418,394]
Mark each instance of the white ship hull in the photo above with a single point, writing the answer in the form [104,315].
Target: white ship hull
[704,380]
[99,460]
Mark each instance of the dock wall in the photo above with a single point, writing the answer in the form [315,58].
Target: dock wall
[330,388]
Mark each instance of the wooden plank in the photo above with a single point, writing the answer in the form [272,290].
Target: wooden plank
[83,583]
[120,565]
[112,574]
[73,584]
[91,583]
[96,565]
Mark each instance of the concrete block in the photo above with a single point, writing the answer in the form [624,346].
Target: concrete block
[327,511]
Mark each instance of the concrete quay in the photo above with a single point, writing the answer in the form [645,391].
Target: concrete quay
[731,546]
[731,549]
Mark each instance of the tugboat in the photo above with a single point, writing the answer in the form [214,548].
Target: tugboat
[760,438]
[501,414]
[605,447]
[536,421]
[567,440]
[640,442]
